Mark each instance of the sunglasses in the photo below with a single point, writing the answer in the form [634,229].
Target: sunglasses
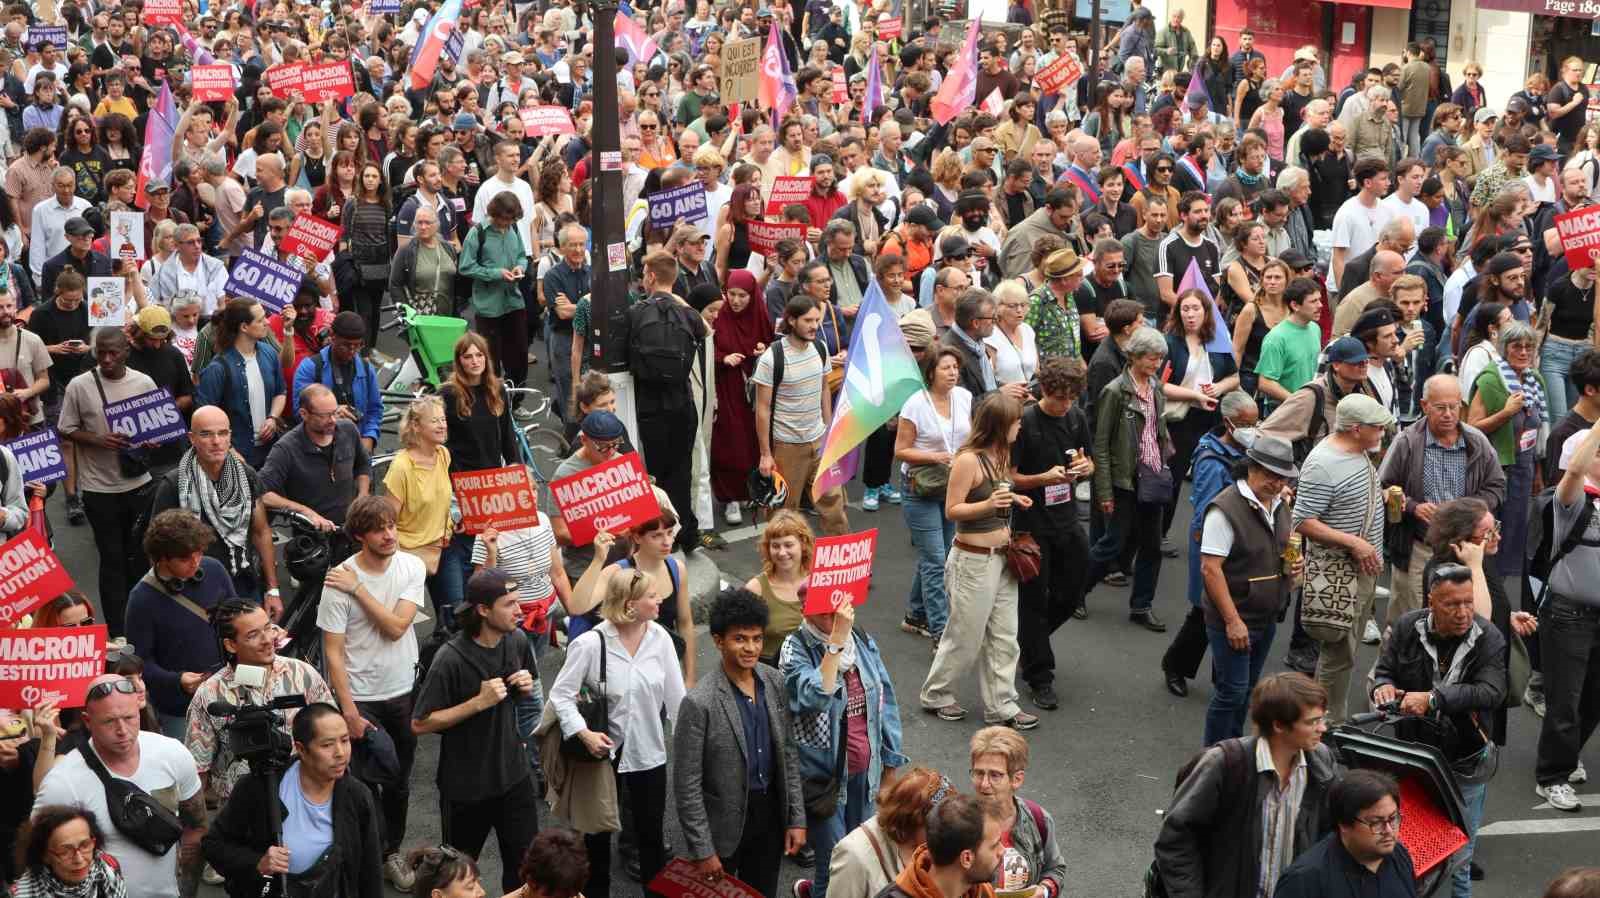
[1165,168]
[103,690]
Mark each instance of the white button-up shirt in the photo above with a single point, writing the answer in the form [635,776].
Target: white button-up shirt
[638,687]
[47,235]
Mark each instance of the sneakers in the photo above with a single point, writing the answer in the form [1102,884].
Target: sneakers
[711,540]
[399,873]
[951,712]
[869,500]
[802,888]
[211,877]
[1561,796]
[732,515]
[1534,700]
[1115,578]
[1044,697]
[891,495]
[1371,635]
[1579,776]
[1023,721]
[75,515]
[1168,549]
[916,626]
[1381,592]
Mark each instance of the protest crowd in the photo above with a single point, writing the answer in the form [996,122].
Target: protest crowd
[1076,307]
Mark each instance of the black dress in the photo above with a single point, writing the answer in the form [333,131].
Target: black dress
[739,247]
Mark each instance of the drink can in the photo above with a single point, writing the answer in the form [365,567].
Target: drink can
[1291,553]
[1395,498]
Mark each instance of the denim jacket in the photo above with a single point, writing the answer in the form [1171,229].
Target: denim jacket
[819,716]
[364,389]
[227,390]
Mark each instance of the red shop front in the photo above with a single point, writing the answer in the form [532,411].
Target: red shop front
[1341,28]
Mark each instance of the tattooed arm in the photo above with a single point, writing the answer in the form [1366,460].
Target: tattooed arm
[192,814]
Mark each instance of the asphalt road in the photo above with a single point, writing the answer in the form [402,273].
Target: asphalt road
[1104,762]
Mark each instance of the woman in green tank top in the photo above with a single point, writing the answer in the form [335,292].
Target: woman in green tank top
[786,550]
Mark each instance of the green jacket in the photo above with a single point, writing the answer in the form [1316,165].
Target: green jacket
[1118,420]
[485,254]
[1492,387]
[1175,49]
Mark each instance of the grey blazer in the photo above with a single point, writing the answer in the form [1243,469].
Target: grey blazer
[708,769]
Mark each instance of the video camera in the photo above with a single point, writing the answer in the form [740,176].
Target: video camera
[257,733]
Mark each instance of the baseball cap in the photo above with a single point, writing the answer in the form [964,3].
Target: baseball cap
[154,321]
[1295,259]
[1484,115]
[1543,153]
[155,184]
[1347,350]
[925,216]
[1359,408]
[1516,104]
[1503,262]
[954,245]
[602,425]
[488,585]
[511,57]
[464,121]
[918,328]
[78,226]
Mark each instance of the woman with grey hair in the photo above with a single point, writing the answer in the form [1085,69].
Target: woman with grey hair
[1269,118]
[1132,483]
[1508,405]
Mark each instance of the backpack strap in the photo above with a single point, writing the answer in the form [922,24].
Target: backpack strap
[1039,821]
[1573,538]
[777,380]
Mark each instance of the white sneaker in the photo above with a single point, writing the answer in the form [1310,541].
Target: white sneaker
[1561,796]
[731,514]
[1381,592]
[399,873]
[211,877]
[1579,776]
[1372,635]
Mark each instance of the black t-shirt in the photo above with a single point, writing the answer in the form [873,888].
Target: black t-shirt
[1176,254]
[1573,309]
[107,56]
[482,756]
[1042,443]
[166,366]
[1016,208]
[267,202]
[55,326]
[1566,127]
[653,397]
[1566,427]
[16,800]
[1293,108]
[90,170]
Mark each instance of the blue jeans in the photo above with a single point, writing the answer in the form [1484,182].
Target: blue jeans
[931,533]
[449,585]
[1472,799]
[1555,360]
[559,345]
[826,832]
[1233,675]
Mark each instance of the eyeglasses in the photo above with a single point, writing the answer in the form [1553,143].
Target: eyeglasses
[1113,266]
[645,127]
[103,690]
[67,852]
[1381,824]
[1492,531]
[988,776]
[1164,168]
[606,446]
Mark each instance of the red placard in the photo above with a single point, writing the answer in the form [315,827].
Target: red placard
[212,83]
[679,879]
[327,81]
[163,12]
[611,497]
[311,238]
[286,80]
[764,235]
[51,665]
[1061,73]
[787,189]
[501,498]
[840,571]
[542,121]
[30,575]
[841,89]
[889,28]
[1580,235]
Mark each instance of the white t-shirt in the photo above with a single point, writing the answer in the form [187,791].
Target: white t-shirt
[166,771]
[379,669]
[256,389]
[1216,536]
[1545,194]
[1356,227]
[492,187]
[1416,210]
[936,433]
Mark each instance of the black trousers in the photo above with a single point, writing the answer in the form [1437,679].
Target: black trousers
[1048,600]
[1186,434]
[514,817]
[647,792]
[877,459]
[667,438]
[508,344]
[1189,646]
[1569,634]
[760,853]
[122,561]
[365,302]
[394,715]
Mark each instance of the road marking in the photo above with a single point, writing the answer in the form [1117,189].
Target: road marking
[1540,827]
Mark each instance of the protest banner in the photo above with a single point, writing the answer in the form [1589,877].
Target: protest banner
[386,7]
[56,664]
[1059,74]
[265,280]
[686,203]
[764,235]
[212,83]
[108,302]
[327,81]
[286,80]
[127,236]
[741,70]
[890,28]
[54,35]
[680,879]
[501,498]
[39,454]
[840,571]
[611,497]
[1580,236]
[788,189]
[542,121]
[163,12]
[310,237]
[147,418]
[841,89]
[32,575]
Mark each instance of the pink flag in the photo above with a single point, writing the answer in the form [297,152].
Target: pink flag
[960,87]
[1197,85]
[874,95]
[777,91]
[633,39]
[199,54]
[1193,279]
[160,127]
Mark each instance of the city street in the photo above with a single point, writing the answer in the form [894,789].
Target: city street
[1103,763]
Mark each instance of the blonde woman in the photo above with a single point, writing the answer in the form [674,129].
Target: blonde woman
[651,550]
[642,681]
[866,195]
[1016,353]
[786,547]
[164,243]
[418,483]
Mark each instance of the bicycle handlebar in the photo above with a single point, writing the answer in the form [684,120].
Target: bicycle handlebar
[1385,711]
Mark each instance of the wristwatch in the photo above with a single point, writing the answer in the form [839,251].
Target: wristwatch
[835,649]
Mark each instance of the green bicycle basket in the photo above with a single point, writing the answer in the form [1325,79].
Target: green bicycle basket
[434,339]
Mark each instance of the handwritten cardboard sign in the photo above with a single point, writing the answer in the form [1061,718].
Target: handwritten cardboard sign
[30,575]
[841,571]
[613,497]
[51,665]
[501,498]
[212,83]
[741,70]
[265,280]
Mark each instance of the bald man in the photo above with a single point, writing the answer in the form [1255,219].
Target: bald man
[1386,266]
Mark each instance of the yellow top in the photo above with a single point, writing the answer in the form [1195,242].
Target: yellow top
[423,492]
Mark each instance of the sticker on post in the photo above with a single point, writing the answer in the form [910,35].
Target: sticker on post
[617,256]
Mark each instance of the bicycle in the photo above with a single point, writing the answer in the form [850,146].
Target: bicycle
[308,553]
[431,341]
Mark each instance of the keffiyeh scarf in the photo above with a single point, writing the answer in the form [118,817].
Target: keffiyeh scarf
[226,504]
[1528,385]
[104,881]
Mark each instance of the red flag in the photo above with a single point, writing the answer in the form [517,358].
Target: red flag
[960,87]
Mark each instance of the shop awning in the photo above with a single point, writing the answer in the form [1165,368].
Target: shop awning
[1575,9]
[1397,4]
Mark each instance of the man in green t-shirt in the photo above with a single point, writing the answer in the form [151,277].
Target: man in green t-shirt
[1289,351]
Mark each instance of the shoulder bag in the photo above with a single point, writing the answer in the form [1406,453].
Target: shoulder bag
[1331,596]
[929,480]
[595,706]
[132,462]
[134,812]
[821,796]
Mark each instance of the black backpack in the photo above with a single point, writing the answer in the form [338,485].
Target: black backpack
[1318,425]
[662,341]
[1238,766]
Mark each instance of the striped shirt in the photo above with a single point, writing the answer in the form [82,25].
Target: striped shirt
[524,555]
[797,413]
[1341,490]
[1280,805]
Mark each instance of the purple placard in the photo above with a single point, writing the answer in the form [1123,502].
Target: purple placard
[265,280]
[147,418]
[39,454]
[382,7]
[55,35]
[686,203]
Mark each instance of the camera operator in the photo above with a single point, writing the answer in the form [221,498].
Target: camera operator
[248,638]
[321,809]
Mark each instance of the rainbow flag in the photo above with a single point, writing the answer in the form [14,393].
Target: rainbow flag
[1193,279]
[879,377]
